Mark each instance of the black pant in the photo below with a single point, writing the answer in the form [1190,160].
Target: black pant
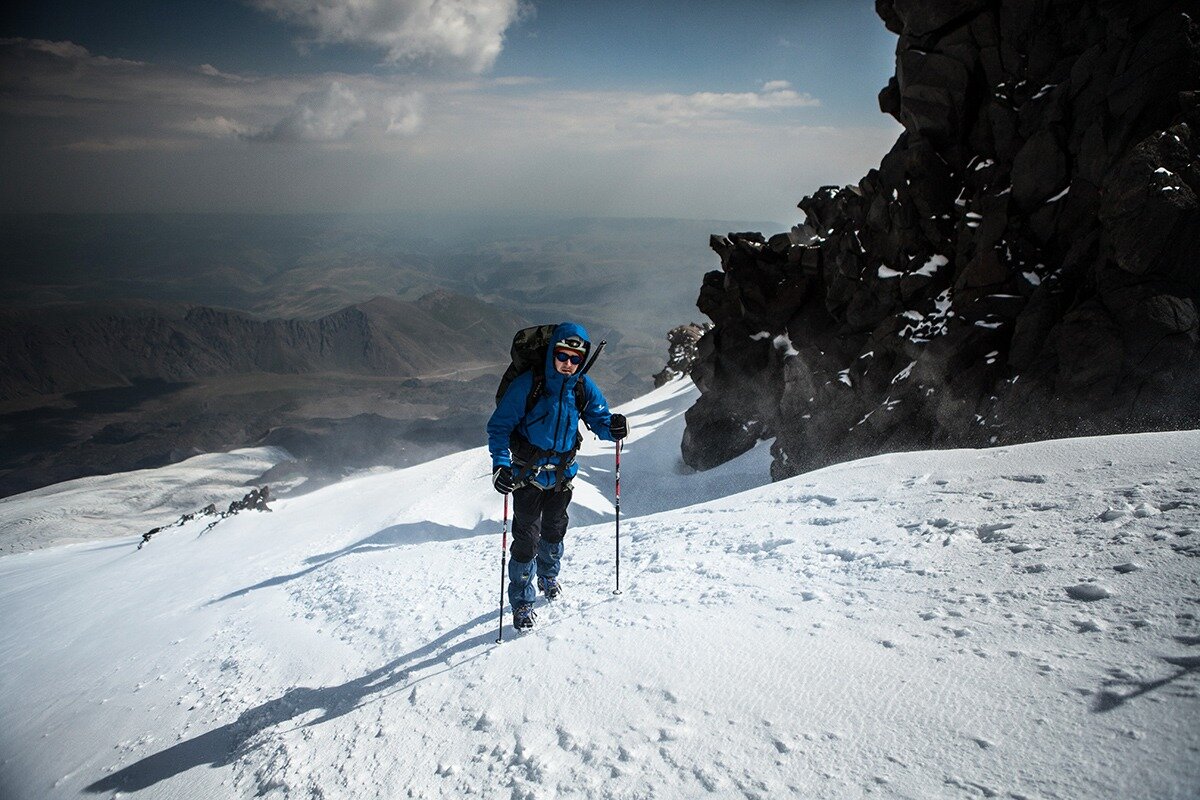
[537,513]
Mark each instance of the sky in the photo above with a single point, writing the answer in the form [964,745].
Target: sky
[700,110]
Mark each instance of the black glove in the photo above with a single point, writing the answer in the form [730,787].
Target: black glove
[618,427]
[502,479]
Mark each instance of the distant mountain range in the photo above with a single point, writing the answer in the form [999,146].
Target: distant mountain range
[308,266]
[131,341]
[76,347]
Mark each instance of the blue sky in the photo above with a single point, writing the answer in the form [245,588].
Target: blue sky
[685,109]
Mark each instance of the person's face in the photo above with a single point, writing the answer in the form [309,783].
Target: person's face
[566,362]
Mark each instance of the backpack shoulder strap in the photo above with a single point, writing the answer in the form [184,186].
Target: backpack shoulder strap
[539,385]
[535,391]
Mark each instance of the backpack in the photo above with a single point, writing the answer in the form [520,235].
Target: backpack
[528,352]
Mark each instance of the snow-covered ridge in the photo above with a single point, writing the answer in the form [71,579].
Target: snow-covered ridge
[454,490]
[127,503]
[1015,622]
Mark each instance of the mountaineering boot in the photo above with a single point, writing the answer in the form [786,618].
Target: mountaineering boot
[549,587]
[523,617]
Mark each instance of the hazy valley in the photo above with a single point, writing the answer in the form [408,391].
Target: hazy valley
[132,341]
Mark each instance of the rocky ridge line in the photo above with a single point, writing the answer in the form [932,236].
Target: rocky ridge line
[1024,263]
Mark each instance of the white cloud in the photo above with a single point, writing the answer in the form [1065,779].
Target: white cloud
[217,127]
[518,80]
[328,115]
[405,114]
[126,144]
[65,50]
[700,106]
[106,108]
[474,142]
[470,32]
[213,72]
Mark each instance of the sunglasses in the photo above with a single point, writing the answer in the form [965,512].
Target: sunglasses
[562,357]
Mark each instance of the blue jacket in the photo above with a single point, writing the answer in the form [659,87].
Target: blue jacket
[553,422]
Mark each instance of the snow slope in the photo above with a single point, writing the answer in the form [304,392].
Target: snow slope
[128,503]
[124,504]
[1017,622]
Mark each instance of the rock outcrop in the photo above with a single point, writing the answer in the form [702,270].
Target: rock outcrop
[682,353]
[1024,263]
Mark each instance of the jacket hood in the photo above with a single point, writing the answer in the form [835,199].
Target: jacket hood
[565,330]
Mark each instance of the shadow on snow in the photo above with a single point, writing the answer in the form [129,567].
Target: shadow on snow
[224,745]
[413,533]
[227,744]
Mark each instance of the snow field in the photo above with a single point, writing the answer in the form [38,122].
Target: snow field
[1018,622]
[127,503]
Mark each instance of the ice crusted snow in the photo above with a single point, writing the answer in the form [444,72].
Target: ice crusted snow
[927,327]
[951,624]
[1060,195]
[931,266]
[903,374]
[886,272]
[784,342]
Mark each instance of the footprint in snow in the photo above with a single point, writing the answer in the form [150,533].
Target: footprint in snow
[992,532]
[917,480]
[1088,592]
[1026,478]
[1088,625]
[816,498]
[826,521]
[763,547]
[1145,510]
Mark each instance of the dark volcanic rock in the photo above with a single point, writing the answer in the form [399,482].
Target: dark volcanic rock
[1024,263]
[683,352]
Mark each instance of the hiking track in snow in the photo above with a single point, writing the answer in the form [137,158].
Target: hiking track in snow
[1018,622]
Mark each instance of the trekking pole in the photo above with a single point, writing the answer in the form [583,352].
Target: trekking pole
[503,564]
[595,355]
[618,589]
